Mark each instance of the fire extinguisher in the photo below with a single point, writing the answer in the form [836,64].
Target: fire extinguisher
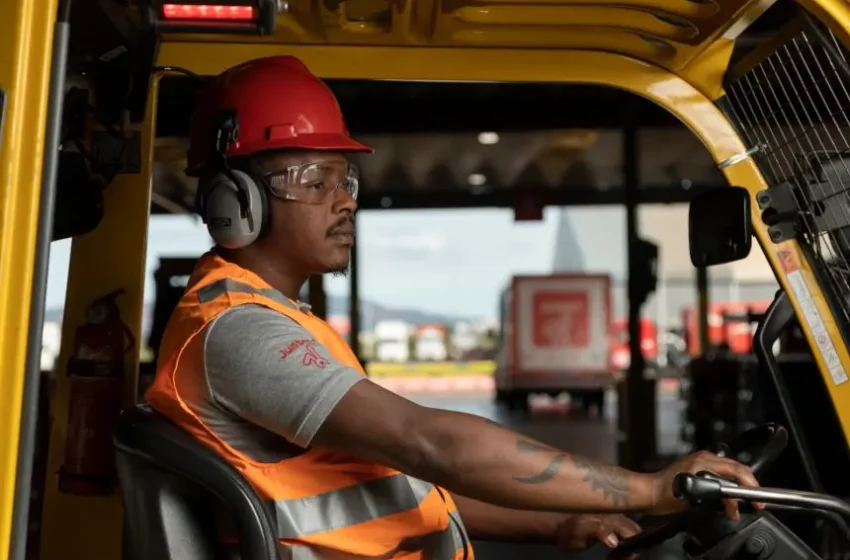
[96,379]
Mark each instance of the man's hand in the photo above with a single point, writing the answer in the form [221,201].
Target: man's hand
[581,531]
[665,502]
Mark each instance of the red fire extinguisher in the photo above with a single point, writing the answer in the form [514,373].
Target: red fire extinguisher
[96,372]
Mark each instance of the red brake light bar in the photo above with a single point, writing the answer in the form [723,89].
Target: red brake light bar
[207,12]
[257,17]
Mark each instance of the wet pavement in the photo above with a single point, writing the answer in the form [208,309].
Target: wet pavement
[554,424]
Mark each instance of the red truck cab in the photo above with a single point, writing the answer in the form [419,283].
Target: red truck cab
[620,352]
[723,327]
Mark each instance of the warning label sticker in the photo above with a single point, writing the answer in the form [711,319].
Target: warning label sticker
[788,261]
[817,326]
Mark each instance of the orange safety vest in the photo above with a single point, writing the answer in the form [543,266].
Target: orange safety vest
[327,505]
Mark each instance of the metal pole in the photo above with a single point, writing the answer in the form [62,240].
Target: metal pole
[661,323]
[33,394]
[632,180]
[318,299]
[702,310]
[354,300]
[638,400]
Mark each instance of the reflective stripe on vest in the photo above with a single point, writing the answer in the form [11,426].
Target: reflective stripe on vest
[307,525]
[442,545]
[226,285]
[349,506]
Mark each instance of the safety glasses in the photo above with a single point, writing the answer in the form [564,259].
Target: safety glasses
[314,183]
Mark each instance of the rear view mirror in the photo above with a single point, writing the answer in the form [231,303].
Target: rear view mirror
[79,199]
[719,227]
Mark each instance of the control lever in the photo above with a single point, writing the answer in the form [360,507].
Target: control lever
[706,487]
[700,488]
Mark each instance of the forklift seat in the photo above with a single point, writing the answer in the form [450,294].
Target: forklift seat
[171,486]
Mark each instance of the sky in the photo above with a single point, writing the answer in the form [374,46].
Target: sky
[445,261]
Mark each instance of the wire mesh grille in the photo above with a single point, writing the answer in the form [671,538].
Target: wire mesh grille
[794,108]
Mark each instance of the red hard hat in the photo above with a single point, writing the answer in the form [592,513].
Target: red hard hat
[279,104]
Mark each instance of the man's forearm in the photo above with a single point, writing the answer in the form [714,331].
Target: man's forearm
[479,459]
[487,522]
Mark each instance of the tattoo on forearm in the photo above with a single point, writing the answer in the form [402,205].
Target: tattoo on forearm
[550,472]
[552,469]
[611,480]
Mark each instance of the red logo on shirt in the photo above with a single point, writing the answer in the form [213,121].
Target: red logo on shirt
[311,358]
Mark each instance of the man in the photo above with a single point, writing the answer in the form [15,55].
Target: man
[353,470]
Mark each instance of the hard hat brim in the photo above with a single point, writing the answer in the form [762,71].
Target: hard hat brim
[319,141]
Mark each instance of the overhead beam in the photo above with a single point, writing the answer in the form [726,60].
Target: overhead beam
[446,199]
[427,199]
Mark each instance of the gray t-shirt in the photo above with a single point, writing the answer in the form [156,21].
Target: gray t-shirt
[265,373]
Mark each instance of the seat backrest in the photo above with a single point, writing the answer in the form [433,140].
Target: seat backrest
[170,485]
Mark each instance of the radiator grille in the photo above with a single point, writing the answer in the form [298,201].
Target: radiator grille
[791,109]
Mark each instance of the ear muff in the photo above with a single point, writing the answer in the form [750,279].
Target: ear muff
[234,207]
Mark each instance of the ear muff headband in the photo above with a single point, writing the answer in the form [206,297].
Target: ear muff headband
[232,204]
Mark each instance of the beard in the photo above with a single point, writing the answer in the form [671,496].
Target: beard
[344,224]
[340,271]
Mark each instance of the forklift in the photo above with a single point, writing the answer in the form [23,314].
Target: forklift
[764,85]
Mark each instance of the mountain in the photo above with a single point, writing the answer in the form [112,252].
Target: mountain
[370,313]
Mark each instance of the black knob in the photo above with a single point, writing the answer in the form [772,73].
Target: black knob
[756,546]
[760,545]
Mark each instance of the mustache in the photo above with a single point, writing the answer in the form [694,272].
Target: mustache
[343,226]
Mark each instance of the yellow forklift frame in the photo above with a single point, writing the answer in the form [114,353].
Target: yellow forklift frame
[26,56]
[621,44]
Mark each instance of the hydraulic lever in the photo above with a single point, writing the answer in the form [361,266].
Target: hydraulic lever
[706,487]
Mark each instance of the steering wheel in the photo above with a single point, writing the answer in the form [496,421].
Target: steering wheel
[763,443]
